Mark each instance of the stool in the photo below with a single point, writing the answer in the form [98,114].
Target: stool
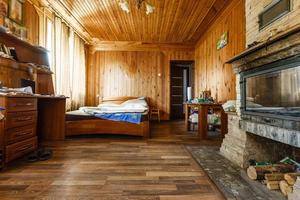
[155,112]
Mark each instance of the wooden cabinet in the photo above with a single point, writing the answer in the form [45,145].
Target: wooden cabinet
[19,127]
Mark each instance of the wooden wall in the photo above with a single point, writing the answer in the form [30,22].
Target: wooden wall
[133,73]
[31,22]
[211,72]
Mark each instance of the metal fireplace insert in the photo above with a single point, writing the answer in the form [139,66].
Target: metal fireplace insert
[272,90]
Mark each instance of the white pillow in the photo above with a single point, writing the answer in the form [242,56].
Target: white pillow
[140,102]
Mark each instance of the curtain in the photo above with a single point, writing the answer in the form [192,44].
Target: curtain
[77,72]
[69,65]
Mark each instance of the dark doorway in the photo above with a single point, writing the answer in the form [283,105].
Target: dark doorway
[181,79]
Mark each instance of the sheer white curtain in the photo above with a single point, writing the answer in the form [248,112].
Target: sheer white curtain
[77,71]
[69,65]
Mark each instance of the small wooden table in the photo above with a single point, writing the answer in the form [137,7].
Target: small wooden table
[203,109]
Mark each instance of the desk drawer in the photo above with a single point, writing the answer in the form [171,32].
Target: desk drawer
[21,104]
[19,134]
[19,149]
[20,119]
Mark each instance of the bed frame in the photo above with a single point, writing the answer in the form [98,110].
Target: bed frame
[100,126]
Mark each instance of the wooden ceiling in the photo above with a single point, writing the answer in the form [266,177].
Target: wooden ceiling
[173,22]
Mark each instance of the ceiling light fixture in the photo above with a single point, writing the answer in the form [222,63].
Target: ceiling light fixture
[124,5]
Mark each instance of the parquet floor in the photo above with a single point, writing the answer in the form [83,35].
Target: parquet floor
[115,170]
[175,132]
[109,168]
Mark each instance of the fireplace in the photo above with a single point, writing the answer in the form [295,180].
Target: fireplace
[266,125]
[272,90]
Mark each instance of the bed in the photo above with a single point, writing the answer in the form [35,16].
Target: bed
[82,123]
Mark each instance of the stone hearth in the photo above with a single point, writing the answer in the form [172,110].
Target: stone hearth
[252,137]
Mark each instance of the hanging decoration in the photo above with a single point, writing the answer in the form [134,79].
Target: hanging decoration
[140,4]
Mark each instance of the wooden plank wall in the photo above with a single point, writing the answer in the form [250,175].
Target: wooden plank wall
[31,22]
[133,73]
[211,72]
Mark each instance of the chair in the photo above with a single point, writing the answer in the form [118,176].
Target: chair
[155,111]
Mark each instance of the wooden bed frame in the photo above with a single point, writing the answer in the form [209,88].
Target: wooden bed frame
[100,126]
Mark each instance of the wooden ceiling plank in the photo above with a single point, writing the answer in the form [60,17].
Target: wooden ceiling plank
[193,13]
[201,16]
[173,21]
[210,16]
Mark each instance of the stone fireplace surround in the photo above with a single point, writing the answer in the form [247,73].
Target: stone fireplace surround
[252,137]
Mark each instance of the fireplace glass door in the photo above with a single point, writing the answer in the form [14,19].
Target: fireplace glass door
[274,91]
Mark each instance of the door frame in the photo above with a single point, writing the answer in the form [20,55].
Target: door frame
[192,79]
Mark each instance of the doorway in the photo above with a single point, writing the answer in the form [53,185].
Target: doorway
[181,78]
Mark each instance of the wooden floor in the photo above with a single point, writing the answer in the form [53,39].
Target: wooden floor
[110,169]
[175,132]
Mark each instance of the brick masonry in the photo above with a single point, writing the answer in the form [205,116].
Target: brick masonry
[255,7]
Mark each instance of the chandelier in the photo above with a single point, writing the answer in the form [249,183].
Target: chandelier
[124,5]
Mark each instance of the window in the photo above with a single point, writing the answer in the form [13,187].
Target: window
[273,12]
[49,40]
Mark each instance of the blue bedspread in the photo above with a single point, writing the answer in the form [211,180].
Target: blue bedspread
[134,118]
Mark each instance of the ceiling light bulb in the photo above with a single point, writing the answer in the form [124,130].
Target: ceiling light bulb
[124,6]
[149,9]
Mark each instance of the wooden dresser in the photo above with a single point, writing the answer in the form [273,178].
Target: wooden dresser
[18,130]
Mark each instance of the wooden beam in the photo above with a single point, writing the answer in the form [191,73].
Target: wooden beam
[140,46]
[210,18]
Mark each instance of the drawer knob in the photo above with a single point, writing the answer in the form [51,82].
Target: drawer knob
[21,119]
[24,148]
[23,133]
[22,104]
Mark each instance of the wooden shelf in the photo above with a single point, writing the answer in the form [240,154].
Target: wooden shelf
[26,52]
[15,39]
[10,63]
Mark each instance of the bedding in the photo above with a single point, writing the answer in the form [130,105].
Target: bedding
[78,115]
[129,111]
[134,118]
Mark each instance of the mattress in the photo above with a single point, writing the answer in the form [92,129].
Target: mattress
[78,115]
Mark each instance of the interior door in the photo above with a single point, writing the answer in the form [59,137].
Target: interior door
[180,80]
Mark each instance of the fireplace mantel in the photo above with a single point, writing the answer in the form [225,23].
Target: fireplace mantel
[263,45]
[282,47]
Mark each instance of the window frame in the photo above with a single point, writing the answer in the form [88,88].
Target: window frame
[268,8]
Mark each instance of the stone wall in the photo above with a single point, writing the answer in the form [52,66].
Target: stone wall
[240,146]
[255,7]
[234,143]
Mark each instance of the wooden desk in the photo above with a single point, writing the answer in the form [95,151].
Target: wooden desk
[203,109]
[51,118]
[28,119]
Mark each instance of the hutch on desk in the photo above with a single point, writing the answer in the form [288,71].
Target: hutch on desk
[28,119]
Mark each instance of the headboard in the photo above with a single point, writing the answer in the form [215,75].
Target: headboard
[118,100]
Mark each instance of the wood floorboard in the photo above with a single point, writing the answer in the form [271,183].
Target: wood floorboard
[109,169]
